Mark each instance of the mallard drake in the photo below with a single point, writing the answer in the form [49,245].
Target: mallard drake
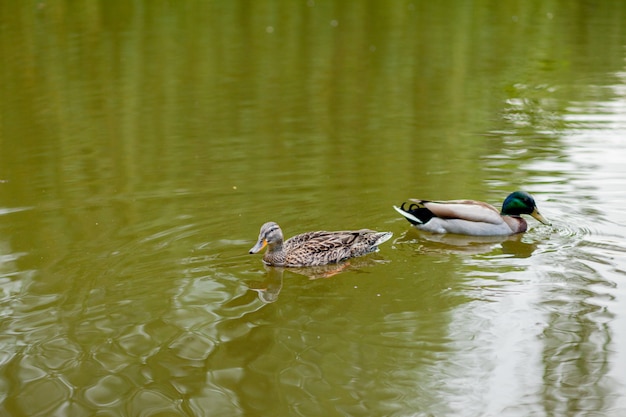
[316,248]
[469,217]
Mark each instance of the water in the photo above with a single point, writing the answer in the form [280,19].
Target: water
[144,144]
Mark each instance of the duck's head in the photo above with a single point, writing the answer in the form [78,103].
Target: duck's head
[520,202]
[270,234]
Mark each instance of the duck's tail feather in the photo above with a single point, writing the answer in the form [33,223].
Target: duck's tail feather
[412,214]
[382,237]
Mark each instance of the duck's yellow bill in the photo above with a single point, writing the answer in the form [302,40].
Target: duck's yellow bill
[259,246]
[539,217]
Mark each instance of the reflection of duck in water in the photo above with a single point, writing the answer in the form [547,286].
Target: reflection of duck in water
[316,248]
[270,287]
[469,245]
[469,217]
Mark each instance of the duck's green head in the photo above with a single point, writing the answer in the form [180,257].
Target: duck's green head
[520,202]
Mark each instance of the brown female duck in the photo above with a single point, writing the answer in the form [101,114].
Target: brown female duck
[316,248]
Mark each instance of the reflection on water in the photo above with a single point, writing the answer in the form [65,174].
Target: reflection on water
[142,146]
[269,288]
[512,245]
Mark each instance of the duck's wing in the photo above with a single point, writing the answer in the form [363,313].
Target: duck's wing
[323,241]
[469,210]
[318,248]
[322,247]
[309,239]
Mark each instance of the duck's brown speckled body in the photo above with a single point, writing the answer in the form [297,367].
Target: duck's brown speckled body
[316,248]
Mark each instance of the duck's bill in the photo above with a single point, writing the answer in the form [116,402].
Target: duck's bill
[259,246]
[539,217]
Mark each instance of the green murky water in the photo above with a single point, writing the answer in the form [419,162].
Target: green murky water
[143,144]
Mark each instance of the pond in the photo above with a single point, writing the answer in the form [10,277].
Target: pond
[143,144]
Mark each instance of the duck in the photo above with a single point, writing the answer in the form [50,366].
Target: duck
[470,217]
[315,248]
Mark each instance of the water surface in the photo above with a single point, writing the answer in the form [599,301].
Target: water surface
[142,145]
